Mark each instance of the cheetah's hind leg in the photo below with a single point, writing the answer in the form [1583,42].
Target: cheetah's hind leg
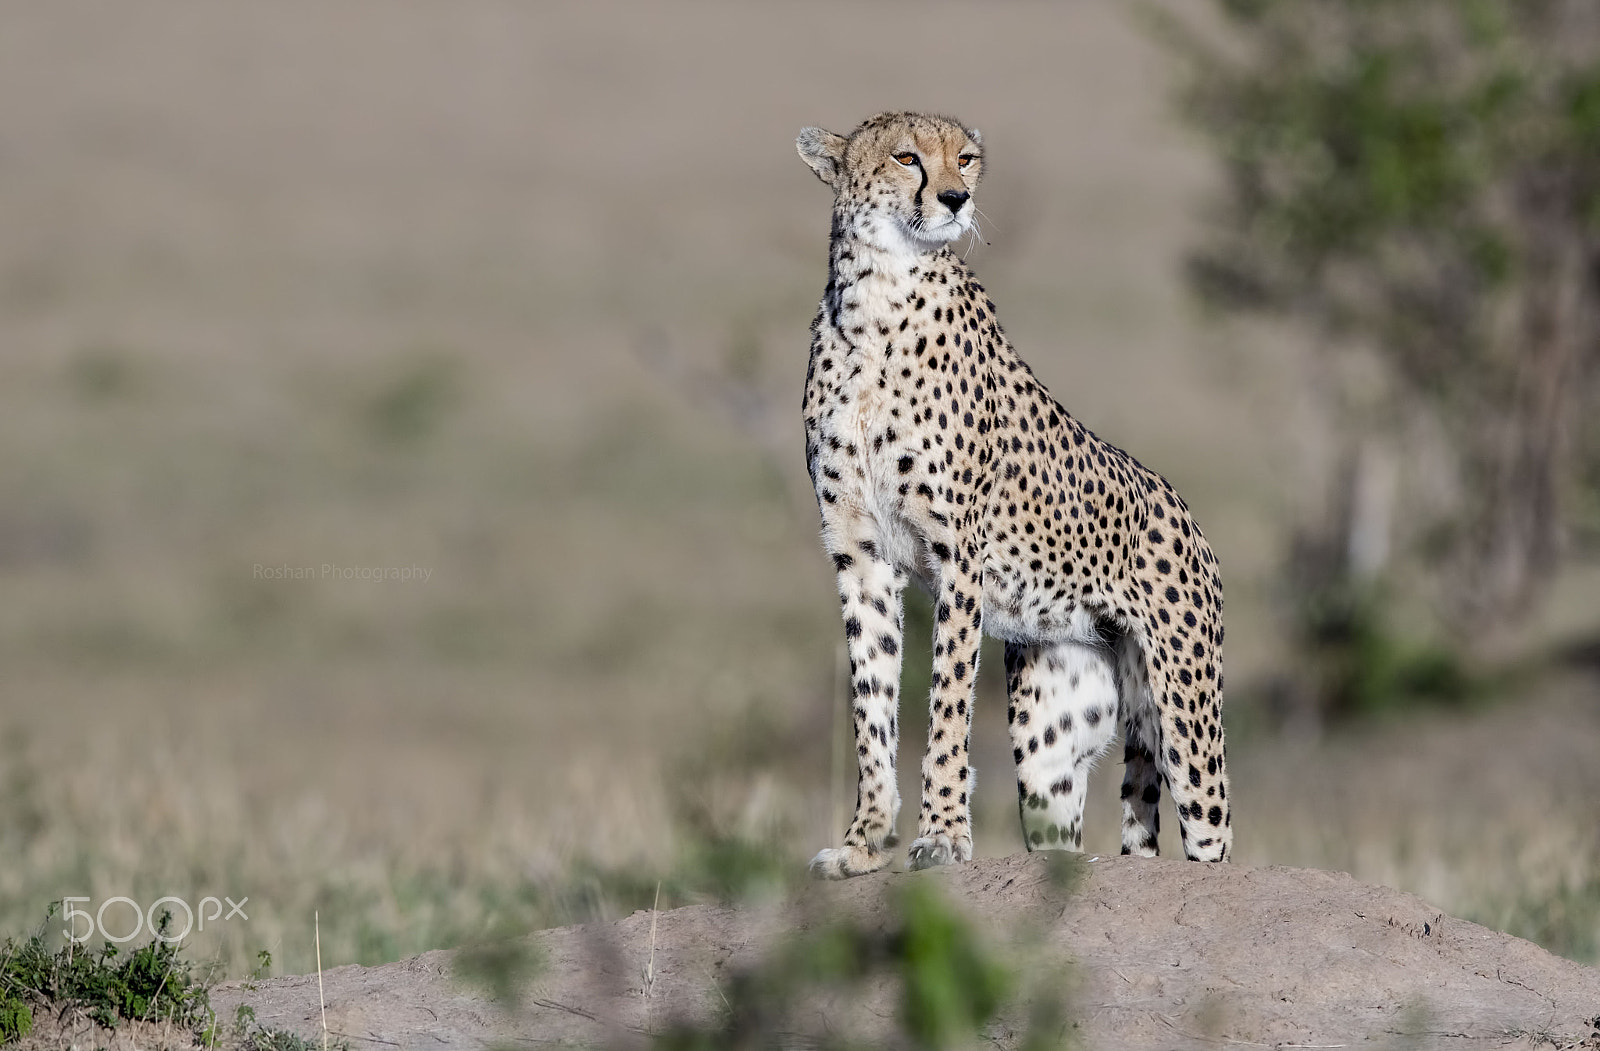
[1062,709]
[1141,775]
[1186,722]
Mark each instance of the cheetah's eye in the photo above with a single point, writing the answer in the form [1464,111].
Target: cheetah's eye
[907,159]
[965,159]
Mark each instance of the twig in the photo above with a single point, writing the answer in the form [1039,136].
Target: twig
[151,1006]
[718,987]
[1213,1039]
[650,967]
[554,1006]
[316,921]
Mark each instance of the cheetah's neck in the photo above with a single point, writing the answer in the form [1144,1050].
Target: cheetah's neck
[874,270]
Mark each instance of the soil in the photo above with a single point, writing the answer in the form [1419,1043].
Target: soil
[1167,954]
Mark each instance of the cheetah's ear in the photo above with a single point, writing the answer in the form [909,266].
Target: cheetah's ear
[823,152]
[977,139]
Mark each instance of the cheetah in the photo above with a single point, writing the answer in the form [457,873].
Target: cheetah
[936,454]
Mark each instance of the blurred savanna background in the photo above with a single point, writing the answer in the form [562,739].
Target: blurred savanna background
[514,296]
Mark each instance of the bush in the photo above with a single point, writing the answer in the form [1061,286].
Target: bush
[949,988]
[1416,183]
[150,983]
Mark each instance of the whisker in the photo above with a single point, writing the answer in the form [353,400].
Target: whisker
[974,232]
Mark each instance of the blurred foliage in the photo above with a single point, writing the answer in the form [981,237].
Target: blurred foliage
[100,373]
[727,803]
[1562,916]
[1566,921]
[501,969]
[1419,181]
[735,845]
[412,404]
[1364,667]
[949,987]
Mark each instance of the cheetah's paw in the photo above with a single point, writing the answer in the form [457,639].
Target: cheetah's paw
[844,862]
[939,849]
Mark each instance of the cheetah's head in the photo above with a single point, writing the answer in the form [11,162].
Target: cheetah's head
[904,180]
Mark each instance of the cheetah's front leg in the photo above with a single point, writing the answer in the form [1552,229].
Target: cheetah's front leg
[870,597]
[944,826]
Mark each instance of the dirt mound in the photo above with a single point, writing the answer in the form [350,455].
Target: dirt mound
[1169,954]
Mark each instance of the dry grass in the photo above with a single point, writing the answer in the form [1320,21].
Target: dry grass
[381,284]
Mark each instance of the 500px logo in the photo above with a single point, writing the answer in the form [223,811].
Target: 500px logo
[144,919]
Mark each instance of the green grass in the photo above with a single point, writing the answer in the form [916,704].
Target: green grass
[152,983]
[155,982]
[1564,919]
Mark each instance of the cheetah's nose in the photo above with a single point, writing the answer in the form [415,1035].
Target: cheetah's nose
[954,199]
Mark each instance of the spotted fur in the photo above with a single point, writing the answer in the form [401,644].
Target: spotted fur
[938,456]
